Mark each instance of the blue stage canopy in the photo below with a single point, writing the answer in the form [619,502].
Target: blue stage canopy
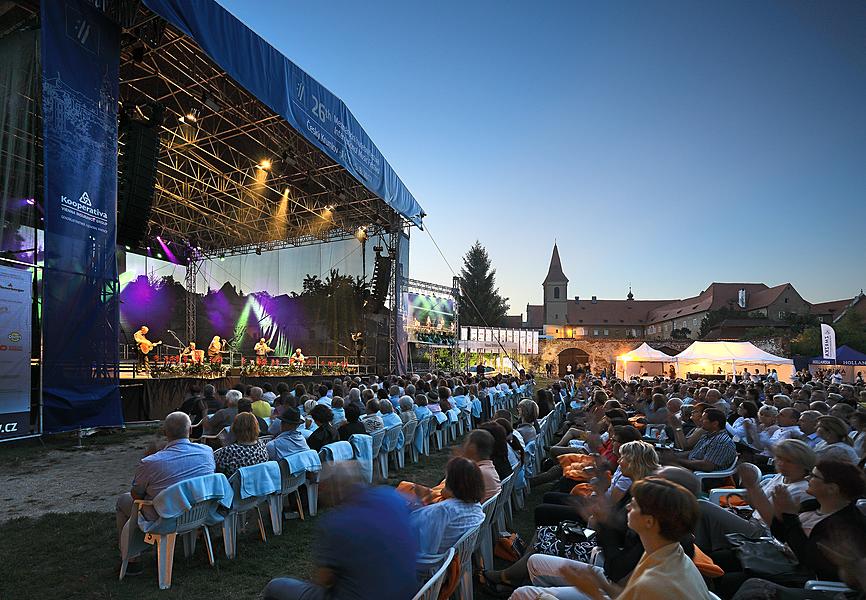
[845,355]
[322,118]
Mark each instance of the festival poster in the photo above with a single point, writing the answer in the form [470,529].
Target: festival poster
[16,302]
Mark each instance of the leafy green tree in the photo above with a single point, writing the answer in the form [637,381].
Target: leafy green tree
[480,302]
[850,331]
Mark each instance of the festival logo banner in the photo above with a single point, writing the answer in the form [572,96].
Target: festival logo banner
[16,300]
[80,59]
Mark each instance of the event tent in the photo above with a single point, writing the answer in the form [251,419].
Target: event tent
[707,358]
[629,364]
[847,359]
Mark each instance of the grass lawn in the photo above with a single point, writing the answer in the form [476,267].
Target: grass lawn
[75,556]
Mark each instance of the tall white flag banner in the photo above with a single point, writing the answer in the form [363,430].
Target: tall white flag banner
[828,341]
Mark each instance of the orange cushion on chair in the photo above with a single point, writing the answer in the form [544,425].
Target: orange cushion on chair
[582,489]
[705,564]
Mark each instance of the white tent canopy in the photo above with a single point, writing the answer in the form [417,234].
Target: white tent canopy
[731,358]
[645,356]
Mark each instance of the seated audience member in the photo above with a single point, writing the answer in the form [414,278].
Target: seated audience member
[261,407]
[407,409]
[325,433]
[441,525]
[290,440]
[367,522]
[500,448]
[352,425]
[223,417]
[178,461]
[808,424]
[747,412]
[527,412]
[246,450]
[858,440]
[793,461]
[195,406]
[662,513]
[268,394]
[837,523]
[373,419]
[516,452]
[389,417]
[714,451]
[786,429]
[421,410]
[834,431]
[214,402]
[688,432]
[338,408]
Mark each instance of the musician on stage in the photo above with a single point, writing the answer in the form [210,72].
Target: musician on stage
[191,352]
[358,339]
[297,358]
[144,346]
[261,349]
[214,349]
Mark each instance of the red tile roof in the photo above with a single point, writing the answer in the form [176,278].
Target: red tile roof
[834,307]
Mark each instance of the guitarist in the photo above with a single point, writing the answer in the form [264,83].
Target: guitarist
[144,346]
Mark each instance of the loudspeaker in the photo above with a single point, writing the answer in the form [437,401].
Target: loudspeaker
[381,282]
[136,177]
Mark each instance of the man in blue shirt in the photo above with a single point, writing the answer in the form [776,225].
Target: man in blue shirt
[290,441]
[370,521]
[178,461]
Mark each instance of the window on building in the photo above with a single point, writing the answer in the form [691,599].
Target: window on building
[595,332]
[820,319]
[557,331]
[556,317]
[786,300]
[556,292]
[781,314]
[606,332]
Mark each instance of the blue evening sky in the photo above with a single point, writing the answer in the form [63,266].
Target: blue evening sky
[664,143]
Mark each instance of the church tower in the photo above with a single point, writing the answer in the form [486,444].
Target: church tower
[555,292]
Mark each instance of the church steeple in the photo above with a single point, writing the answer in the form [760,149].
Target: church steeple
[555,287]
[630,295]
[554,272]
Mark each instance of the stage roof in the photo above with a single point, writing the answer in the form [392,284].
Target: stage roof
[249,103]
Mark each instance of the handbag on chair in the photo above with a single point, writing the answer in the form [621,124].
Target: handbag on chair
[763,556]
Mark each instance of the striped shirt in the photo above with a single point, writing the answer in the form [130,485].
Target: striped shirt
[717,448]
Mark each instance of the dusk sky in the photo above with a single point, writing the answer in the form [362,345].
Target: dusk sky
[664,144]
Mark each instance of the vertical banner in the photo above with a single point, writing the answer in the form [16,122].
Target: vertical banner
[828,342]
[80,59]
[16,308]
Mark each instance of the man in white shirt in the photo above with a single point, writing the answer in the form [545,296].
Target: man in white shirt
[808,424]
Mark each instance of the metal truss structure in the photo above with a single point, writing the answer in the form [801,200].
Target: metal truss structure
[233,176]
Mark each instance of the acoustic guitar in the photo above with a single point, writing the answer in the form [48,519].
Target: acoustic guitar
[146,347]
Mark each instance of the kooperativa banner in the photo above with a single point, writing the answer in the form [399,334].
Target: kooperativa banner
[16,300]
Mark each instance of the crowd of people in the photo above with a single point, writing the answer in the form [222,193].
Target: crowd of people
[624,512]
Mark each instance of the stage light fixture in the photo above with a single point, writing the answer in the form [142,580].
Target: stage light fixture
[31,201]
[264,164]
[361,234]
[127,247]
[210,102]
[259,251]
[190,118]
[159,254]
[330,207]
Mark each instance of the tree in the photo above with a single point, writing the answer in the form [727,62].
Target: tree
[850,331]
[681,334]
[480,302]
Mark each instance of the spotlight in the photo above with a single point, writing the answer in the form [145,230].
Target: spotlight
[210,102]
[159,254]
[222,257]
[31,201]
[127,247]
[361,234]
[259,251]
[190,118]
[330,207]
[264,165]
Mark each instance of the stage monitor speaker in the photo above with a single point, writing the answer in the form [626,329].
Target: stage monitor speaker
[136,178]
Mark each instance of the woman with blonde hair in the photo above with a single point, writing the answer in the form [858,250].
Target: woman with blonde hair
[527,412]
[834,431]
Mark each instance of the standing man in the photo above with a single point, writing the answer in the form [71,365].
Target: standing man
[261,349]
[479,369]
[144,346]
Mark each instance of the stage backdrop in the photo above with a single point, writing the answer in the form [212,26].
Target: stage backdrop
[80,55]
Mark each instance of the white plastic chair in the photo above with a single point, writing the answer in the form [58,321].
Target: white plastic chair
[198,516]
[484,546]
[720,474]
[836,587]
[389,444]
[378,438]
[241,506]
[430,590]
[408,442]
[424,425]
[463,550]
[289,484]
[503,507]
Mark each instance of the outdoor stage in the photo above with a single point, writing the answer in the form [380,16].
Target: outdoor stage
[153,399]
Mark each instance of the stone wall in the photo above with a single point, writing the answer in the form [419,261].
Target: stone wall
[602,353]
